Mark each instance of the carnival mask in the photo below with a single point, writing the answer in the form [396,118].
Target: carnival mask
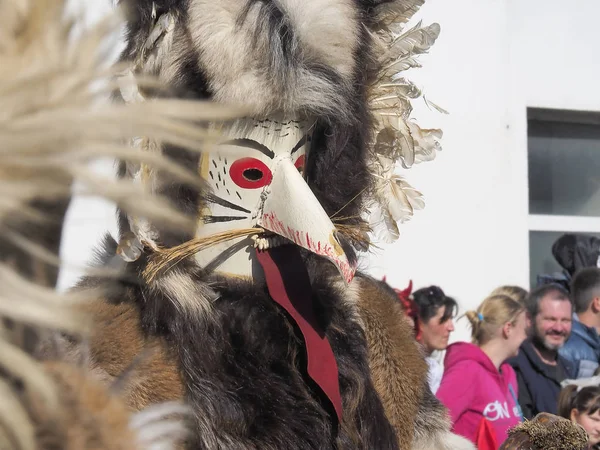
[256,176]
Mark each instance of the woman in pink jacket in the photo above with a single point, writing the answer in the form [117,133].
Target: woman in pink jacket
[479,387]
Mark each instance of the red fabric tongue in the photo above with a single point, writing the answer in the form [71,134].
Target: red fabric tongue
[289,285]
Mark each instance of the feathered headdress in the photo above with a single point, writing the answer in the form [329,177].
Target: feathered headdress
[398,140]
[351,166]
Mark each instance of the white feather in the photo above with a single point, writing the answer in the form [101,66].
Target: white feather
[400,65]
[415,41]
[397,140]
[395,201]
[426,142]
[384,228]
[400,198]
[399,12]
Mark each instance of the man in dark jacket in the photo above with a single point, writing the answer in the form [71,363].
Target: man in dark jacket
[583,347]
[539,367]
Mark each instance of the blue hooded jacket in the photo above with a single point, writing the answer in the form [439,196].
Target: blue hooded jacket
[582,349]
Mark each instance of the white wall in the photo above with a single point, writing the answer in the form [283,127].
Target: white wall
[557,52]
[88,219]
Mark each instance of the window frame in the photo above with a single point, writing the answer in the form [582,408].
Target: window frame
[559,223]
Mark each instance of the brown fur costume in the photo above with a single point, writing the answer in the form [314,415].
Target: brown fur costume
[397,366]
[221,342]
[238,355]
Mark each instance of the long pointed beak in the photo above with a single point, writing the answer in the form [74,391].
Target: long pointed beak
[291,210]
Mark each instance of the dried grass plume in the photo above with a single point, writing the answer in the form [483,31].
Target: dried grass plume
[54,120]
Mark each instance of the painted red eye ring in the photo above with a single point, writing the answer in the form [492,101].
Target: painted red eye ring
[250,173]
[300,163]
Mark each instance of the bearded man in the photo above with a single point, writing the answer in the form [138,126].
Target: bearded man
[539,367]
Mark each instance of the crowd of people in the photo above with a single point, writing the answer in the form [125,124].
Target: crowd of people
[530,353]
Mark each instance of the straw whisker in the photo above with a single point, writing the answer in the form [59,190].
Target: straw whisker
[164,259]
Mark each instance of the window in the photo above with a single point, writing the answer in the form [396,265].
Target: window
[564,181]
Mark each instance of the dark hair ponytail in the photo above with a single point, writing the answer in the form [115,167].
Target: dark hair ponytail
[430,299]
[586,400]
[566,400]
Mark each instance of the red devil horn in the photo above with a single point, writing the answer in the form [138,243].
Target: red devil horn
[406,292]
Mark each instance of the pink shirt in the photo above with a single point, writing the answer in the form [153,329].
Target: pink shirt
[472,388]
